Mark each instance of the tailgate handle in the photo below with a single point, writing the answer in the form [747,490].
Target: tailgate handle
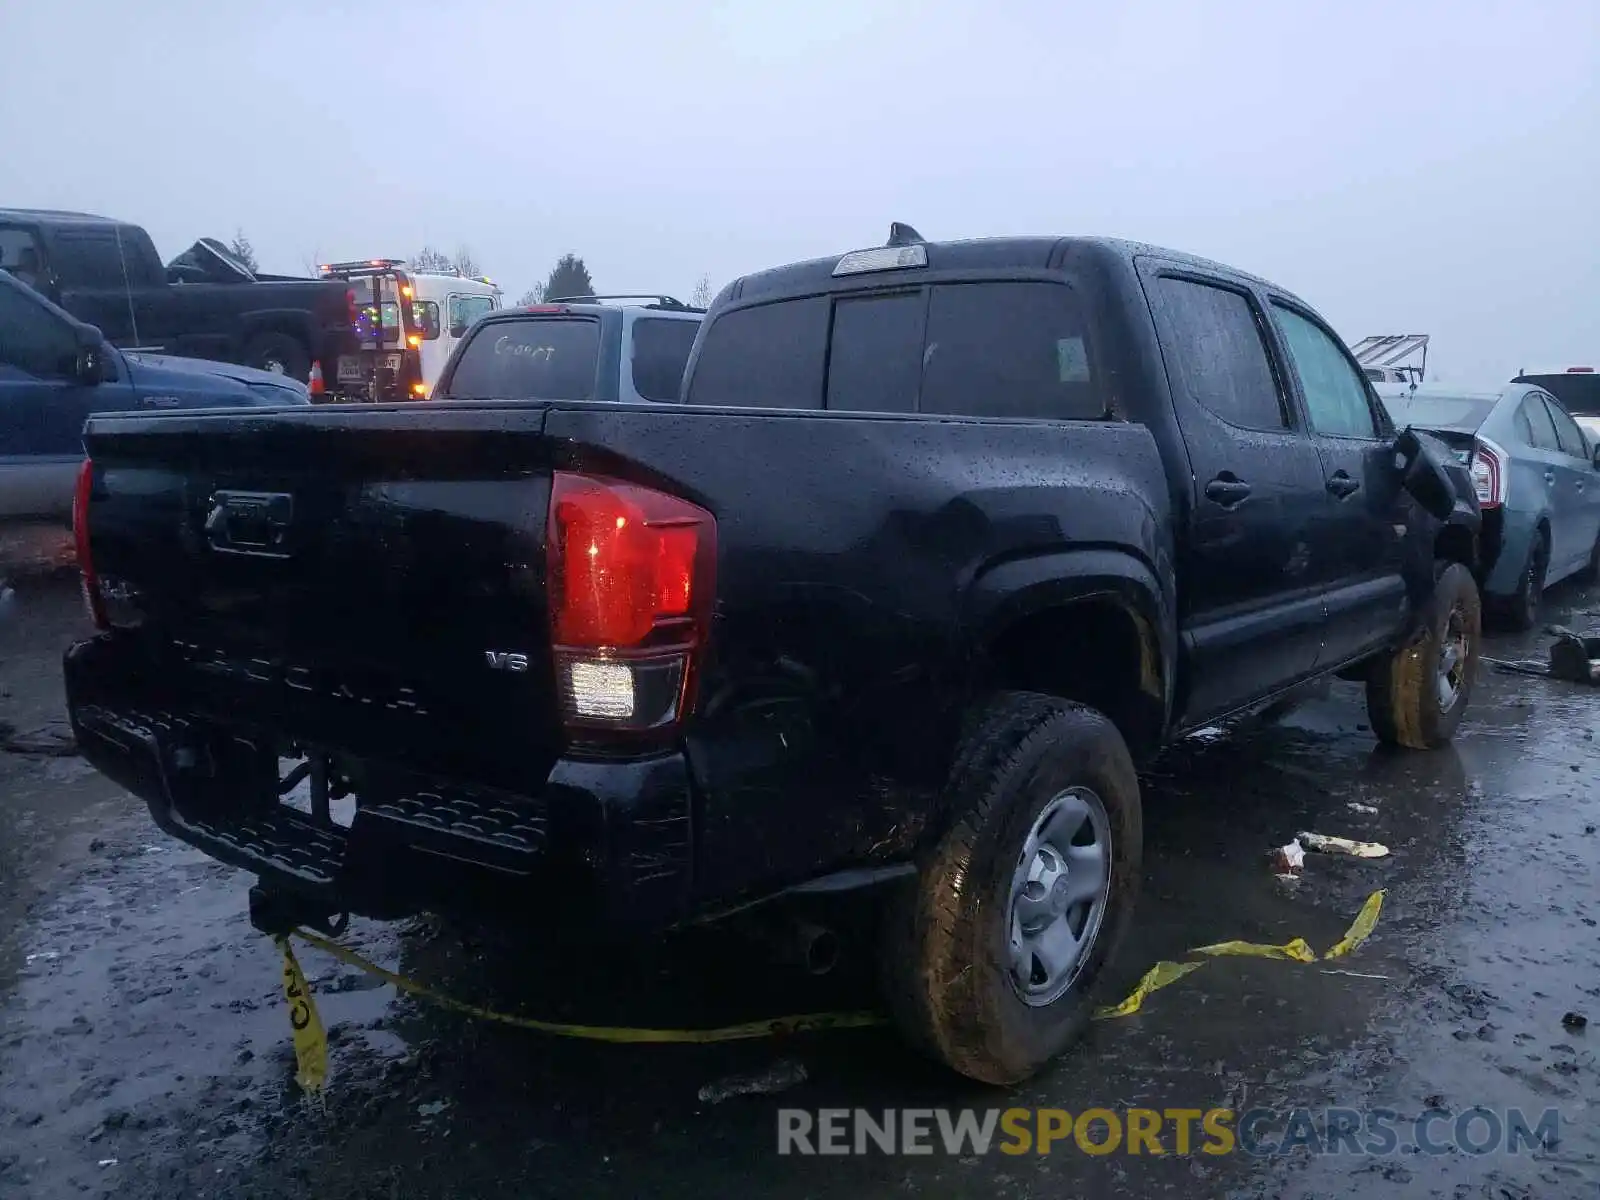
[251,523]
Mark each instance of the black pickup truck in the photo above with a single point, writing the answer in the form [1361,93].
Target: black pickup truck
[943,542]
[204,304]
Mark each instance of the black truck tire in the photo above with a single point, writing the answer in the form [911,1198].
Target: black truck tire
[948,951]
[1416,696]
[279,353]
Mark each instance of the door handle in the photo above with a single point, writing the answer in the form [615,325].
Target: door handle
[1341,485]
[1226,490]
[1549,476]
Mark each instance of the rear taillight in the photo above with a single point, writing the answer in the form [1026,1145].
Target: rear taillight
[350,307]
[1489,473]
[80,536]
[632,578]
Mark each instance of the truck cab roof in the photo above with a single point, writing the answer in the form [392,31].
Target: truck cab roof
[997,254]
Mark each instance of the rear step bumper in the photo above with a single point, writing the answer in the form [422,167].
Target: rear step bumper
[610,842]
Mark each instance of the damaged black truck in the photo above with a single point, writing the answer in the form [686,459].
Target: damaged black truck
[942,543]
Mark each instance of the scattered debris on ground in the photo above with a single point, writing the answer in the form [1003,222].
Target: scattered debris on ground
[779,1077]
[1323,844]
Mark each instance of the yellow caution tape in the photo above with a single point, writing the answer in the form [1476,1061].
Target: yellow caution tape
[311,1047]
[1165,972]
[311,1041]
[1360,928]
[1295,951]
[1156,978]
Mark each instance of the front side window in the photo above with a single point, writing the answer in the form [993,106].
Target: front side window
[464,310]
[543,358]
[1013,349]
[1336,396]
[19,254]
[1215,353]
[33,340]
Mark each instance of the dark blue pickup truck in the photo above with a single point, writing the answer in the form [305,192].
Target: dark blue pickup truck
[54,372]
[943,540]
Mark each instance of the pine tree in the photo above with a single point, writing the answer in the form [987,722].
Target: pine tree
[569,278]
[244,251]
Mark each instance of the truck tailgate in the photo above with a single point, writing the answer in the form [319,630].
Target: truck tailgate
[340,576]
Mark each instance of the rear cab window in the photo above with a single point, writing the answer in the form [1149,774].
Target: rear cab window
[1014,349]
[1578,391]
[533,358]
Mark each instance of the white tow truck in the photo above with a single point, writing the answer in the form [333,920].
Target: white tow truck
[408,322]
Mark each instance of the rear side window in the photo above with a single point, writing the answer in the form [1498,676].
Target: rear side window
[548,358]
[1215,353]
[1540,425]
[660,350]
[1008,350]
[1578,391]
[1567,431]
[94,257]
[875,360]
[769,356]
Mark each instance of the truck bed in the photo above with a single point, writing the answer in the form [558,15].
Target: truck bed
[379,557]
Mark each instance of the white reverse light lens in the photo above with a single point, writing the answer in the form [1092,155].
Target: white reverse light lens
[602,689]
[885,258]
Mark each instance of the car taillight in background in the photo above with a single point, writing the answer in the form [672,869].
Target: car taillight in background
[1489,473]
[632,575]
[80,537]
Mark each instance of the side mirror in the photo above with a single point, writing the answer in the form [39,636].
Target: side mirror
[459,329]
[92,364]
[1424,476]
[1596,458]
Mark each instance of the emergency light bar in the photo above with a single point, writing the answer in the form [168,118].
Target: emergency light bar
[364,264]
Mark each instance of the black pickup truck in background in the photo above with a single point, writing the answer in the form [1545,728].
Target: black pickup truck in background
[204,304]
[944,541]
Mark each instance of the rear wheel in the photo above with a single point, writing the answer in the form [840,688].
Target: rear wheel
[1521,610]
[278,353]
[1416,697]
[1591,573]
[991,955]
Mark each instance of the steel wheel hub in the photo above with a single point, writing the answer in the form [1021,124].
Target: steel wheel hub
[1452,673]
[1058,895]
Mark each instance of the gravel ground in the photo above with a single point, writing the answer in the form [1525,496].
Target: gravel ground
[145,1052]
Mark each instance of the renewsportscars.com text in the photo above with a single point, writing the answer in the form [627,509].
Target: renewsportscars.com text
[1260,1132]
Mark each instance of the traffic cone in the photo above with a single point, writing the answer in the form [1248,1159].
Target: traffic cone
[314,384]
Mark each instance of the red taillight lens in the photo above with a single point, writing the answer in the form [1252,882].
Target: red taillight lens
[80,537]
[1489,473]
[632,575]
[350,307]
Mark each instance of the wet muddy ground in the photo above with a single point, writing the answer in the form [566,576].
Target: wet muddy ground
[145,1052]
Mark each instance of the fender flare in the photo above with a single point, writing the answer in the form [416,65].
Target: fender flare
[294,322]
[1003,594]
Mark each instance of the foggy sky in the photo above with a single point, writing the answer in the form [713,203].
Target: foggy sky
[1426,166]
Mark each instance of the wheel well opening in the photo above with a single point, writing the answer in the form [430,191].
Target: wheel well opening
[1456,544]
[1095,652]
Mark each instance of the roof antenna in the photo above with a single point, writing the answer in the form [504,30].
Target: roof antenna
[901,234]
[127,288]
